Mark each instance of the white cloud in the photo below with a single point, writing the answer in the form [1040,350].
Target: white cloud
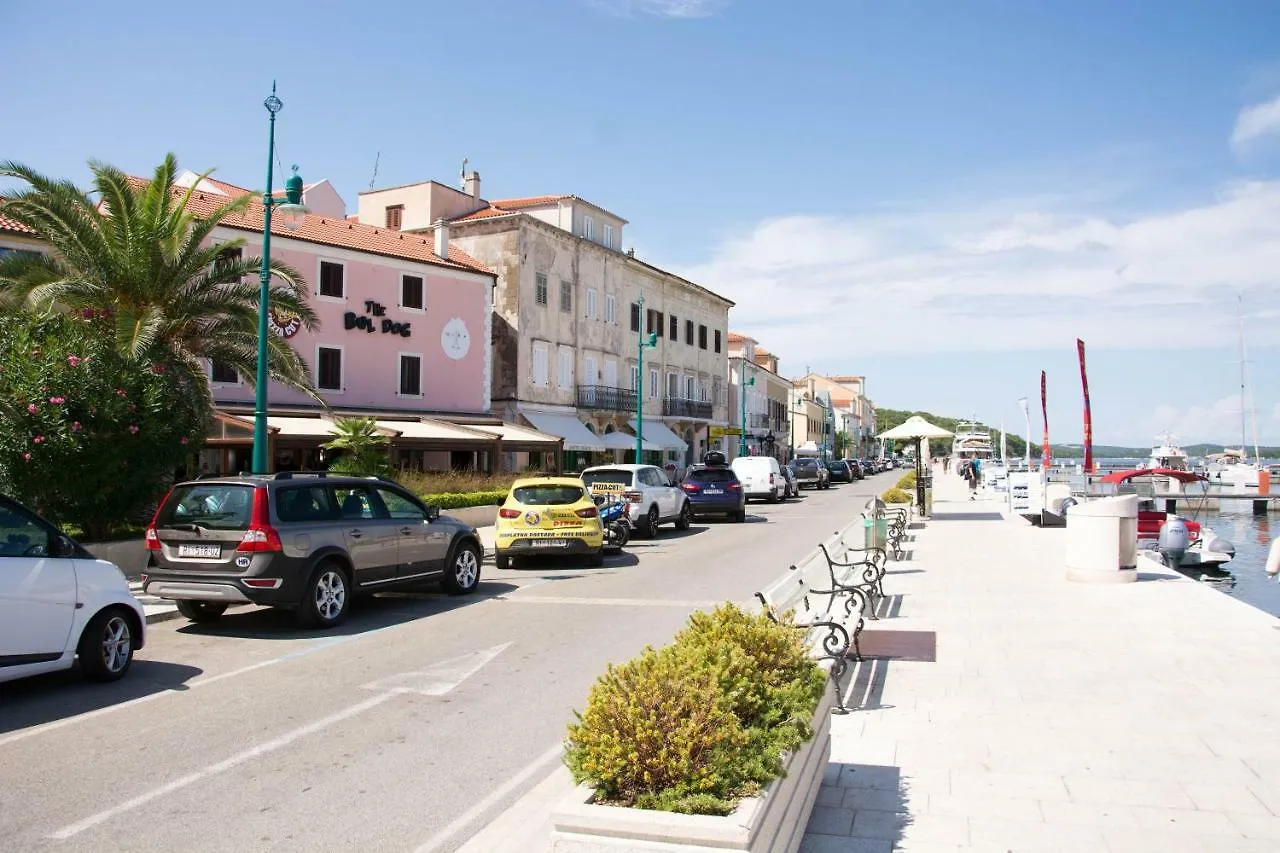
[1218,421]
[661,8]
[1021,278]
[1256,121]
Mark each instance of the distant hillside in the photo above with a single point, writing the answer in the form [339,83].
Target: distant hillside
[890,418]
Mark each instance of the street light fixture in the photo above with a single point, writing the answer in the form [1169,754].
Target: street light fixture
[644,342]
[743,384]
[291,215]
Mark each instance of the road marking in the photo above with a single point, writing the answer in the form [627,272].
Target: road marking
[239,758]
[614,602]
[438,840]
[439,679]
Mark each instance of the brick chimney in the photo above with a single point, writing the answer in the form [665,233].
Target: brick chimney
[442,239]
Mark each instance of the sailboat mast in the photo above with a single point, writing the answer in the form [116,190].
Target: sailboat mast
[1240,311]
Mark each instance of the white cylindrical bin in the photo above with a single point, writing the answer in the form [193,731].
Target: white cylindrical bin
[1102,540]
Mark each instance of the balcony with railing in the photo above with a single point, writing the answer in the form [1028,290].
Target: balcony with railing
[757,420]
[606,397]
[678,407]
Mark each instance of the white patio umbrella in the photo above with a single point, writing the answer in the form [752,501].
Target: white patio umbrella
[917,429]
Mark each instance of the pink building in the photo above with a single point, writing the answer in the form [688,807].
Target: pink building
[404,337]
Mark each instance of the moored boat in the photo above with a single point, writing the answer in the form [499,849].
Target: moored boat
[1175,538]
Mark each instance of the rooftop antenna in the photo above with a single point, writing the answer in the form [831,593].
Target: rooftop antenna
[376,158]
[462,176]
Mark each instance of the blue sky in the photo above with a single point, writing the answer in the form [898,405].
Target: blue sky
[941,196]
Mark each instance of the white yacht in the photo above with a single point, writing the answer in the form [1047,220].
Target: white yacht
[1167,454]
[972,440]
[1232,468]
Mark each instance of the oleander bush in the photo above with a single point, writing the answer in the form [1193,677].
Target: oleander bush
[461,500]
[907,481]
[896,496]
[695,726]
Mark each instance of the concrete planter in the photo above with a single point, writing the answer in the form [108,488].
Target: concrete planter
[775,821]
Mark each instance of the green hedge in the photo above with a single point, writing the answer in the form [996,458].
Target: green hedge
[456,500]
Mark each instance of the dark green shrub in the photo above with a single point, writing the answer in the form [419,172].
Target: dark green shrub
[699,724]
[452,500]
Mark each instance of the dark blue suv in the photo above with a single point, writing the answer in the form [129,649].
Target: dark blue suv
[715,490]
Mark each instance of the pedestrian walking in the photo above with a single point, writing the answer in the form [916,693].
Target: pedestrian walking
[973,473]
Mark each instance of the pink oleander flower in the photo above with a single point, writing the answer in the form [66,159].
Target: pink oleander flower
[184,439]
[120,392]
[26,457]
[32,408]
[38,439]
[73,360]
[75,426]
[57,401]
[132,407]
[133,428]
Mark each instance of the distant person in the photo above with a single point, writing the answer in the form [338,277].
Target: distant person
[973,473]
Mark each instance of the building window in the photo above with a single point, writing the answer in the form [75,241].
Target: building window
[591,303]
[635,377]
[223,373]
[566,367]
[688,332]
[566,296]
[717,340]
[540,365]
[608,235]
[332,280]
[329,368]
[395,215]
[674,333]
[673,385]
[635,316]
[649,317]
[715,389]
[702,337]
[410,375]
[540,288]
[588,228]
[411,293]
[589,374]
[610,309]
[653,383]
[690,388]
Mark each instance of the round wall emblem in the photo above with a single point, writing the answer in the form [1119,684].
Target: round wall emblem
[532,518]
[455,340]
[283,323]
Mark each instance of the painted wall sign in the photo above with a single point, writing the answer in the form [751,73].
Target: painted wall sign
[352,320]
[455,340]
[282,323]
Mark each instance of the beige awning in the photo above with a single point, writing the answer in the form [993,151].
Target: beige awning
[515,434]
[428,429]
[301,427]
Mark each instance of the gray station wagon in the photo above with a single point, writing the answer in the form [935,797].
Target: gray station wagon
[305,542]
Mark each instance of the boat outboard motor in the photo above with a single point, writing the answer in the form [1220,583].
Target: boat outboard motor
[1174,541]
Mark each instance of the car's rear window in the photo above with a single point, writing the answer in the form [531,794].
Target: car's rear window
[805,463]
[712,475]
[547,495]
[607,477]
[216,506]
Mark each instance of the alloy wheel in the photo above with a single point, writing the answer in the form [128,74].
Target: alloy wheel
[466,568]
[331,594]
[117,644]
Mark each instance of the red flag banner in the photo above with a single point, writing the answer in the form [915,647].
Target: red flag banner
[1046,457]
[1088,415]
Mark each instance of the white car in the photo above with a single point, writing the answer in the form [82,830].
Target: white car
[761,477]
[651,497]
[57,603]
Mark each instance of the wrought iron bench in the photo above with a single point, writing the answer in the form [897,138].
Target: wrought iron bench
[830,614]
[863,568]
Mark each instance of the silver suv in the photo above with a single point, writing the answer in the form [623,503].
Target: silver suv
[305,542]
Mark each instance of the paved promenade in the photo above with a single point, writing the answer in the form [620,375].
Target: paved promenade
[1057,716]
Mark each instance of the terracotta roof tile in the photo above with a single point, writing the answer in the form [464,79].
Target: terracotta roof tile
[483,213]
[13,225]
[530,201]
[736,338]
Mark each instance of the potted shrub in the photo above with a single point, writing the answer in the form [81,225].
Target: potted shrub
[896,495]
[717,740]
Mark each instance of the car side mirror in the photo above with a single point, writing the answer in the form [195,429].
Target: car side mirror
[433,512]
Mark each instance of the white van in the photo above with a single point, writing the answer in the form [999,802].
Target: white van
[761,477]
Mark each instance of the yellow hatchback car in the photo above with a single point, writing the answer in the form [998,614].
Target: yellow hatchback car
[549,515]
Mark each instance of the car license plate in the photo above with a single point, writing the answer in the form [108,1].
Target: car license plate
[214,551]
[549,543]
[713,491]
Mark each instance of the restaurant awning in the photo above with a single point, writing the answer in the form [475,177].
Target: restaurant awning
[517,436]
[575,434]
[428,429]
[301,427]
[626,441]
[660,434]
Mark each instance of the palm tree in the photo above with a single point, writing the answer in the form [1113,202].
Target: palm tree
[363,446]
[138,255]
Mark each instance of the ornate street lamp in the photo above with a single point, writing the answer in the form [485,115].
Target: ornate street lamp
[743,384]
[291,215]
[643,342]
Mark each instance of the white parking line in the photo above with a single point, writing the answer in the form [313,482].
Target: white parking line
[539,764]
[222,766]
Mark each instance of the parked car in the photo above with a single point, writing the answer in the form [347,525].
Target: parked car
[839,471]
[548,515]
[855,469]
[870,466]
[59,603]
[810,472]
[761,477]
[793,486]
[302,542]
[652,498]
[715,490]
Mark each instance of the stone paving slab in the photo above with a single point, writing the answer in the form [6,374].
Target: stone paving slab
[1057,716]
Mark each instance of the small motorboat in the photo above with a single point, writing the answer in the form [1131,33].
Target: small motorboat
[1181,542]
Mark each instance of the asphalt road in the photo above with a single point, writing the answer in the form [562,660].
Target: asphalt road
[408,728]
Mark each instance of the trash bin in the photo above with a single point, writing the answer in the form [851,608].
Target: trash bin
[1102,540]
[927,481]
[875,525]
